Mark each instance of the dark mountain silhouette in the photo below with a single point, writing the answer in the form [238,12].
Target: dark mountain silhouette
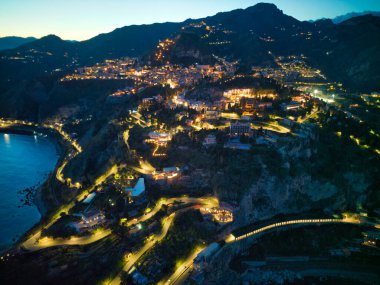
[136,40]
[14,42]
[188,48]
[342,18]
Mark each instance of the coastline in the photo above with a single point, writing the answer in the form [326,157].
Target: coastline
[55,139]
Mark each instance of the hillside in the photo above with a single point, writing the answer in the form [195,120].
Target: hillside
[348,52]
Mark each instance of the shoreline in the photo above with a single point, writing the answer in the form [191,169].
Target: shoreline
[60,148]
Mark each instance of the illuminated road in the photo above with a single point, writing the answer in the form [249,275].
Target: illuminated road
[205,201]
[32,242]
[141,122]
[167,221]
[126,139]
[274,127]
[49,242]
[182,272]
[312,114]
[231,238]
[36,242]
[145,167]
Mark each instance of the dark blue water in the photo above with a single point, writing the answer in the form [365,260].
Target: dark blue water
[25,161]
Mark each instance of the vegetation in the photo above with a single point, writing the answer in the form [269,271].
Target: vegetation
[188,231]
[63,228]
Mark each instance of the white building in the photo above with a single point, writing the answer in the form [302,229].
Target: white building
[138,190]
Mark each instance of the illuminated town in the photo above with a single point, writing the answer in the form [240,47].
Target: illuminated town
[188,164]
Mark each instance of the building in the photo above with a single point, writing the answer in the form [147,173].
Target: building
[238,93]
[204,257]
[138,190]
[171,169]
[209,140]
[147,102]
[264,105]
[299,99]
[167,174]
[291,106]
[249,104]
[91,219]
[212,115]
[160,137]
[89,198]
[240,128]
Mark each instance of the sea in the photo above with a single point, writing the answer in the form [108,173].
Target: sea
[25,162]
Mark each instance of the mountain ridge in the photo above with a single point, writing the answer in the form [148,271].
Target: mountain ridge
[12,42]
[348,52]
[342,18]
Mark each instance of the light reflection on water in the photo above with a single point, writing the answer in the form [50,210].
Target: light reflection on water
[25,161]
[7,139]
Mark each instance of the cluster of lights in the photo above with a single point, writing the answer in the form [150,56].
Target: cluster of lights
[162,48]
[220,215]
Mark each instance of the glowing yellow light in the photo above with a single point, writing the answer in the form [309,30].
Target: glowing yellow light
[7,139]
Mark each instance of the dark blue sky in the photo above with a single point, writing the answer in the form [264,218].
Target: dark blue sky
[82,19]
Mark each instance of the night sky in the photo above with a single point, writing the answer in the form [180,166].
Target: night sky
[83,19]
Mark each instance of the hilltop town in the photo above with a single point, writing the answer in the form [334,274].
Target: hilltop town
[176,163]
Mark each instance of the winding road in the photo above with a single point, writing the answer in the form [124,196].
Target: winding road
[205,201]
[32,243]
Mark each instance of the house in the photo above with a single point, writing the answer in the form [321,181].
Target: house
[91,219]
[291,106]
